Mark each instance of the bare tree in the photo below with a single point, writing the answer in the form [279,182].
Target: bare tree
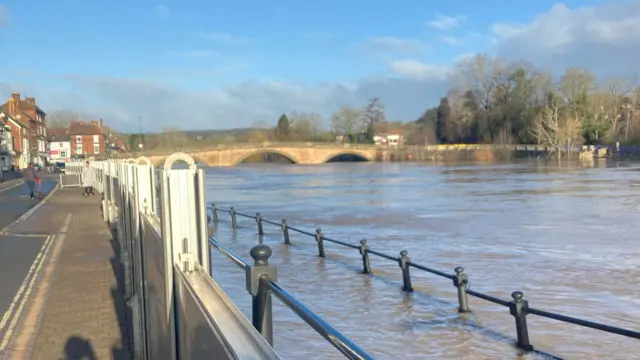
[173,138]
[557,128]
[306,126]
[61,118]
[347,121]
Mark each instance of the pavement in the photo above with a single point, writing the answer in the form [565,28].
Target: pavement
[62,284]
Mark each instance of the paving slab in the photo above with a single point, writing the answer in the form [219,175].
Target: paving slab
[77,309]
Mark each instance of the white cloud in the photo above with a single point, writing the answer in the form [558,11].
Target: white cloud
[451,40]
[389,44]
[161,11]
[417,69]
[225,38]
[319,35]
[4,16]
[444,22]
[603,38]
[203,53]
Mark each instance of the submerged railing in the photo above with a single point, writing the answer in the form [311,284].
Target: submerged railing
[261,281]
[518,307]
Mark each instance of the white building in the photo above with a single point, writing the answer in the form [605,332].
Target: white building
[6,147]
[59,148]
[388,139]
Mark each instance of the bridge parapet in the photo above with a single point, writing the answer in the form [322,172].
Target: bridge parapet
[318,153]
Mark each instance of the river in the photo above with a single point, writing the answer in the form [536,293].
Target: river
[564,235]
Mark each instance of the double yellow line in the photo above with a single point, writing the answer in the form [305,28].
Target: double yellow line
[10,318]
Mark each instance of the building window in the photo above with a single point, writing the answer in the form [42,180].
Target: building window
[79,140]
[63,154]
[96,139]
[78,148]
[96,149]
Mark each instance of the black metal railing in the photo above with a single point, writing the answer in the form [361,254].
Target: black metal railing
[261,281]
[518,307]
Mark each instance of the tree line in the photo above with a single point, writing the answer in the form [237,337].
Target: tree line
[490,101]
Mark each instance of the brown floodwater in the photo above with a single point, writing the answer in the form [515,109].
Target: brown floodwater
[563,234]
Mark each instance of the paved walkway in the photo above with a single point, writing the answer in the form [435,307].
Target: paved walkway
[75,309]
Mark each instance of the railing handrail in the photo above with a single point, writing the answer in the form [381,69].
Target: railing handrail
[341,342]
[518,306]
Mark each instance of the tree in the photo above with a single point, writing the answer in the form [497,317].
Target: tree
[173,138]
[283,129]
[443,121]
[61,118]
[347,121]
[373,112]
[306,126]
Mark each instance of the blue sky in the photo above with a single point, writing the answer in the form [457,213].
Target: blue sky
[98,51]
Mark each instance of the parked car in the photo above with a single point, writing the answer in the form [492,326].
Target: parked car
[60,168]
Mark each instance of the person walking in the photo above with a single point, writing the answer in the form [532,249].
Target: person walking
[87,179]
[30,177]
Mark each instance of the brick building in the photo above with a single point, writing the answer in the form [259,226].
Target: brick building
[87,138]
[29,129]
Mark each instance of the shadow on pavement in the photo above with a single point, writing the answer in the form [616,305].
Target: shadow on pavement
[78,348]
[123,312]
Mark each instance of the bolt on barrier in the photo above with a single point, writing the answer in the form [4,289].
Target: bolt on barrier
[261,282]
[518,306]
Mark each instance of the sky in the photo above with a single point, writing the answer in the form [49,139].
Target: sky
[224,64]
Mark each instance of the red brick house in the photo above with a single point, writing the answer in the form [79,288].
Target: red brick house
[32,120]
[87,138]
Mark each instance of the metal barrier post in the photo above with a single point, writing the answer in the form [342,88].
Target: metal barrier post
[319,240]
[461,281]
[285,232]
[406,275]
[259,222]
[364,251]
[234,223]
[518,308]
[257,279]
[214,210]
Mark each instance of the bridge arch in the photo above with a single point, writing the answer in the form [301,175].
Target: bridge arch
[285,154]
[352,152]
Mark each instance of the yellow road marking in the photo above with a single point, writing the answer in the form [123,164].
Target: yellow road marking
[25,338]
[20,182]
[25,289]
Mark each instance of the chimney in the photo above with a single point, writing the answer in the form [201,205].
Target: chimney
[31,100]
[101,126]
[15,98]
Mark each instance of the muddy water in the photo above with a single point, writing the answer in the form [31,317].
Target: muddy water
[566,236]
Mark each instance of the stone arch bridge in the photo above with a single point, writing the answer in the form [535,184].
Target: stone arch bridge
[298,153]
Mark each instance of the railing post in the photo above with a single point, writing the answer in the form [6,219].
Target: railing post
[214,210]
[518,308]
[257,279]
[259,222]
[319,240]
[461,281]
[285,232]
[234,223]
[364,251]
[406,275]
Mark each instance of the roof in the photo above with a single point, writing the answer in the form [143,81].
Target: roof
[84,128]
[58,135]
[9,117]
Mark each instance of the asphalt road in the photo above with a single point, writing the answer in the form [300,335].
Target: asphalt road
[20,255]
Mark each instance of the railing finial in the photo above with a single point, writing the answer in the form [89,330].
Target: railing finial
[261,254]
